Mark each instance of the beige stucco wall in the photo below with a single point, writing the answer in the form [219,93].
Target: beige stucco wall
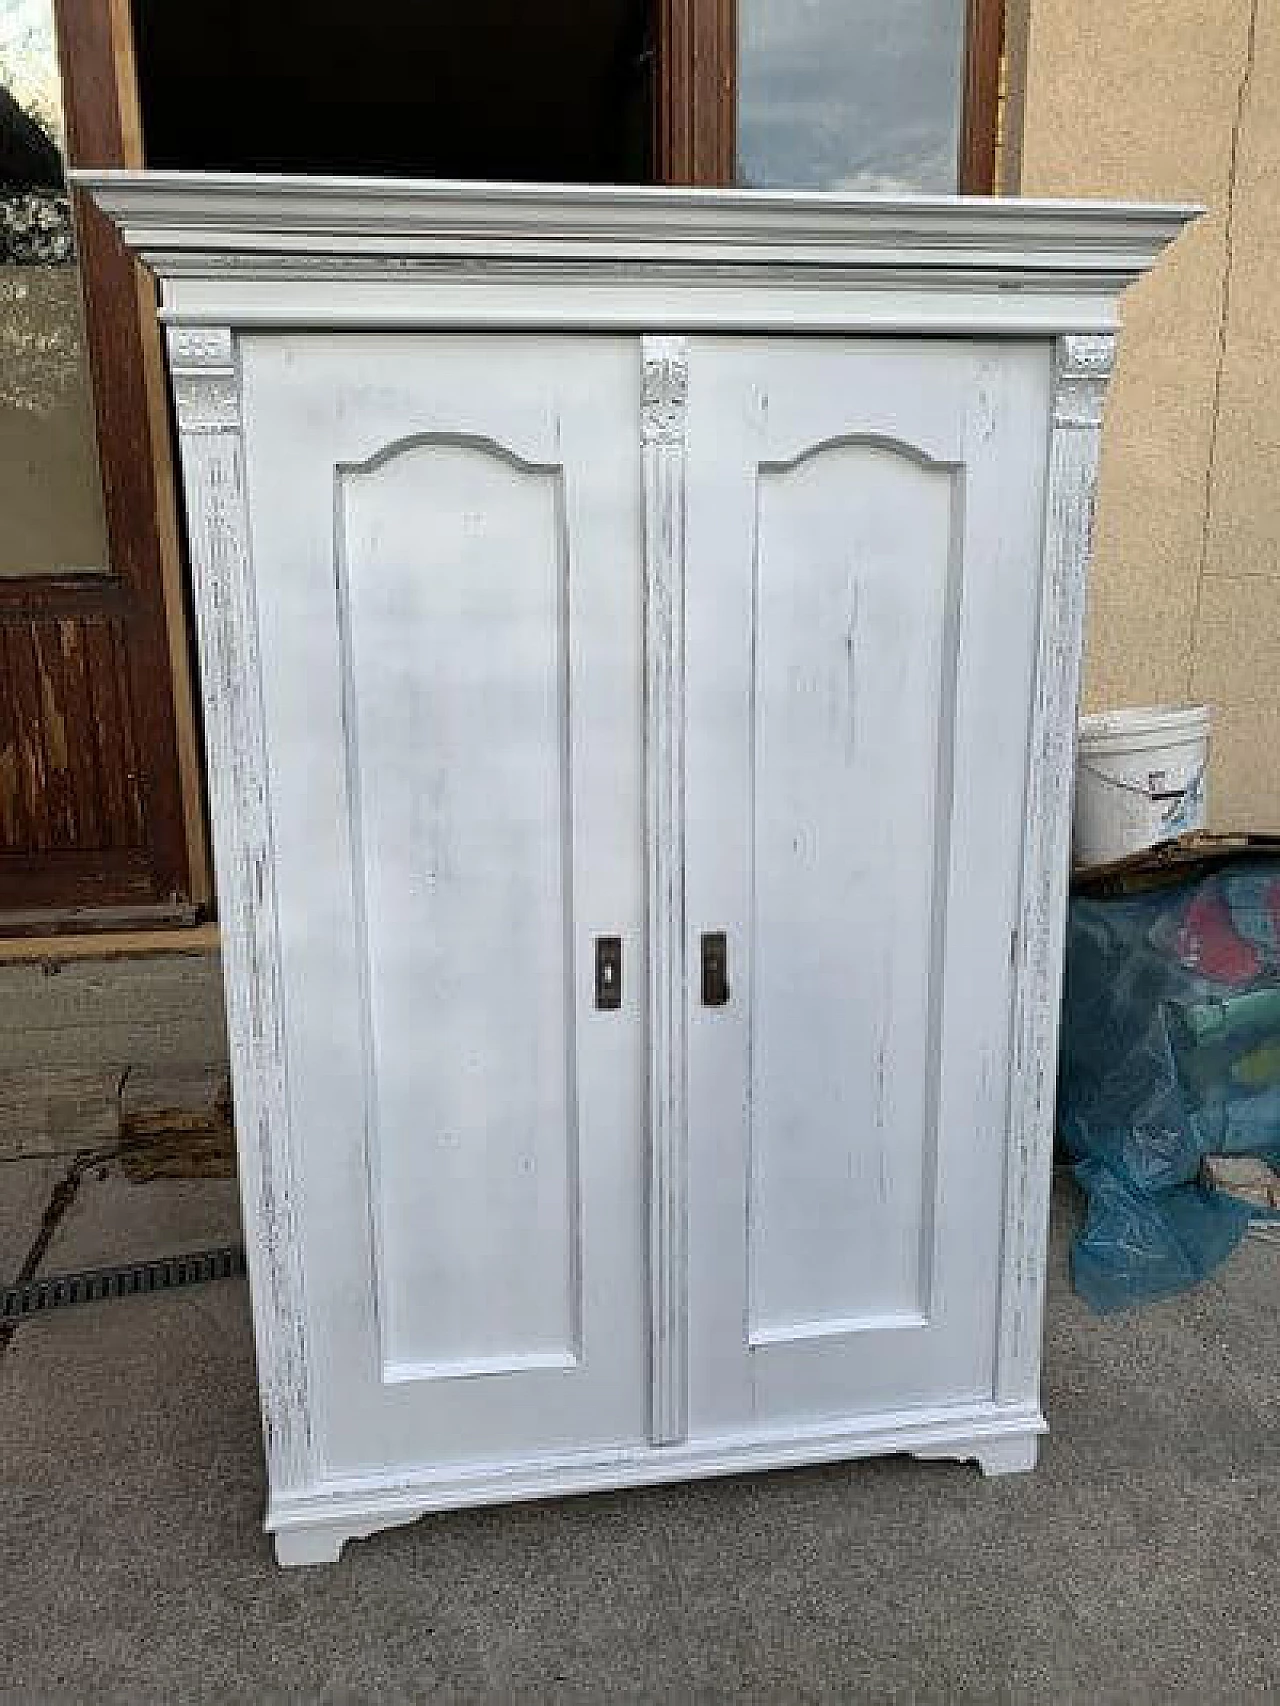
[1176,99]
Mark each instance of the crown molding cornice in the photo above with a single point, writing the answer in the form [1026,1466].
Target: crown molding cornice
[247,249]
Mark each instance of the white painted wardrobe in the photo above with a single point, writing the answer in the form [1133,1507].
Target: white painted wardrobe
[639,636]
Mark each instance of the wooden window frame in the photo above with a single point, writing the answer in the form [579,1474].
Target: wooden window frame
[695,134]
[696,105]
[980,113]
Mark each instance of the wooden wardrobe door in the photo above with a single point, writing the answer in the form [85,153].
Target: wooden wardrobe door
[449,605]
[863,535]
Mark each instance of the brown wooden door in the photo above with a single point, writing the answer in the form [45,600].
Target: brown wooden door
[100,809]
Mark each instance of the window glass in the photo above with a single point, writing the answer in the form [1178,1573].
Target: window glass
[50,492]
[850,95]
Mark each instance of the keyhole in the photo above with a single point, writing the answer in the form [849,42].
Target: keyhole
[608,973]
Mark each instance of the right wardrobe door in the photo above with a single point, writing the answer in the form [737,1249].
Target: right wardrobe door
[863,551]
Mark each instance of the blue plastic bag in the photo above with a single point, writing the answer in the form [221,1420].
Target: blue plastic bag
[1170,1052]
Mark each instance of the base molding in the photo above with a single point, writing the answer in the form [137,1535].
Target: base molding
[311,1527]
[1013,1456]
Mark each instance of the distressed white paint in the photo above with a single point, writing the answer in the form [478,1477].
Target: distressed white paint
[1001,1439]
[860,638]
[663,404]
[453,717]
[456,662]
[1082,367]
[856,585]
[206,386]
[512,641]
[260,250]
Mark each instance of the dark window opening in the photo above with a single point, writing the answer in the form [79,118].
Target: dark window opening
[557,91]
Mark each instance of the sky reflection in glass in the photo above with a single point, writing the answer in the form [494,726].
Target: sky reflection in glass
[850,94]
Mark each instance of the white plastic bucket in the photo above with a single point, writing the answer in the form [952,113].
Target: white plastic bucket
[1140,779]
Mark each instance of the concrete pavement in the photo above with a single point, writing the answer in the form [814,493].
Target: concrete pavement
[1141,1562]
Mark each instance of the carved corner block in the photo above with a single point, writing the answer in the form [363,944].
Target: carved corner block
[206,379]
[1083,367]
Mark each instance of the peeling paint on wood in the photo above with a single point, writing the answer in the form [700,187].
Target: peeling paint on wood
[1083,369]
[206,389]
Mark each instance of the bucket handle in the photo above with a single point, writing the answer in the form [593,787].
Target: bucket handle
[1192,783]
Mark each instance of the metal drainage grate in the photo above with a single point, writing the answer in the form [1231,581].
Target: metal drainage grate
[168,1273]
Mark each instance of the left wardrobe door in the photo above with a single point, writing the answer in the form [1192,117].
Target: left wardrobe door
[445,538]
